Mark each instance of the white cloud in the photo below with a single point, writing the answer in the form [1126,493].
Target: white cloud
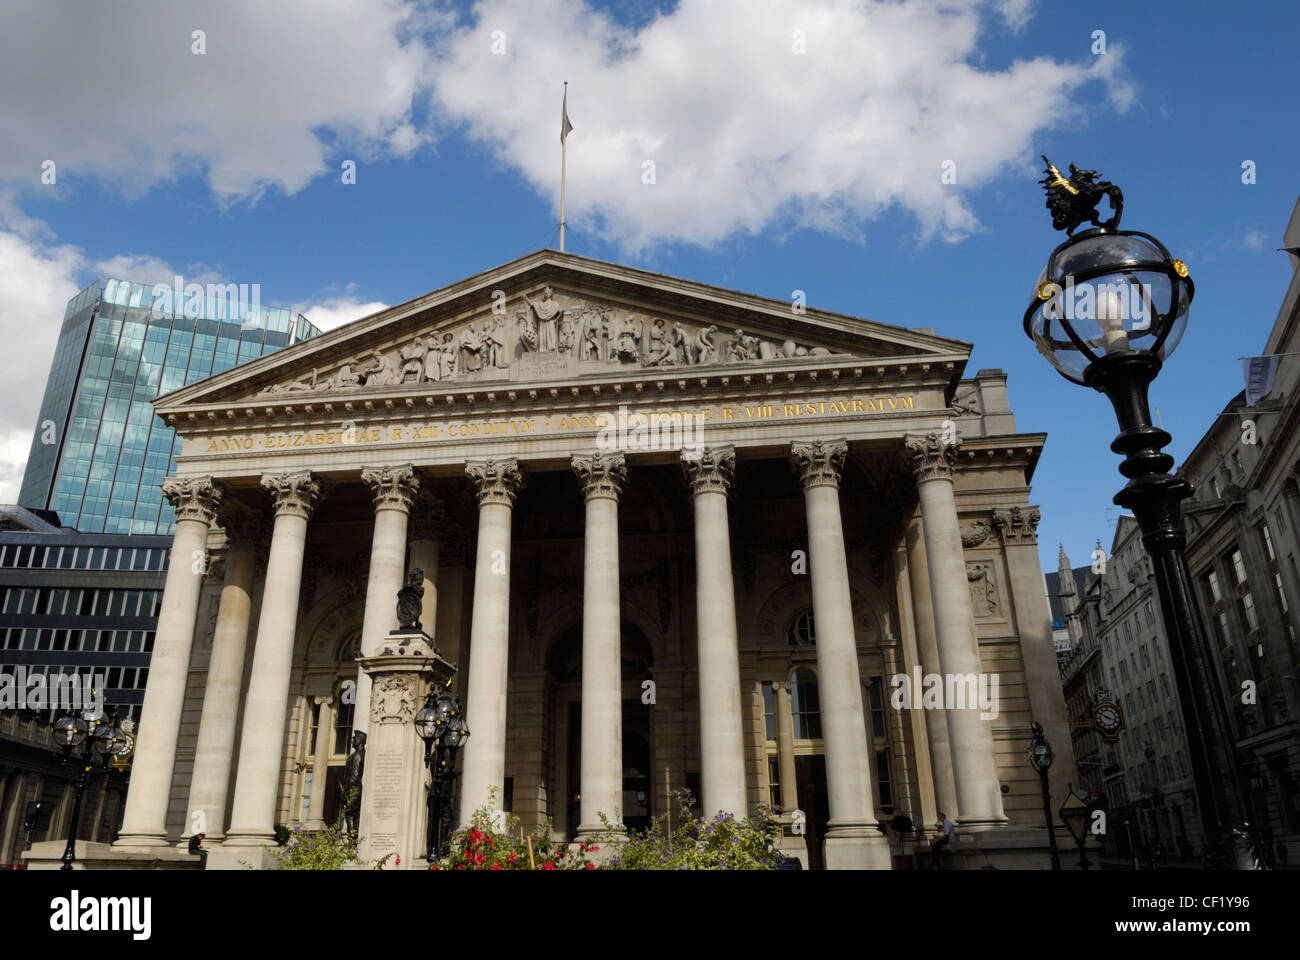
[745,133]
[335,311]
[1254,239]
[119,93]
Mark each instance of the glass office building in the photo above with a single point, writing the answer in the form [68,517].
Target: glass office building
[99,454]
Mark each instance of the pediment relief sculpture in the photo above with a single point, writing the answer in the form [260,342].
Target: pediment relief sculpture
[547,335]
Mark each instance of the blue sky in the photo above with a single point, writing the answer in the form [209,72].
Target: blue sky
[776,171]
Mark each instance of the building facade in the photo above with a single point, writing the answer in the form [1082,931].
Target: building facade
[676,537]
[98,453]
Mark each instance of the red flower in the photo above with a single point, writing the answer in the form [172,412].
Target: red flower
[497,866]
[594,848]
[548,866]
[591,866]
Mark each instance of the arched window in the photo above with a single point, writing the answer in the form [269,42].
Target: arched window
[802,632]
[805,705]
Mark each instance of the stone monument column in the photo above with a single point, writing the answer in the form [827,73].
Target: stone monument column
[261,745]
[320,763]
[196,500]
[936,724]
[722,736]
[393,489]
[974,765]
[210,780]
[853,839]
[484,767]
[601,476]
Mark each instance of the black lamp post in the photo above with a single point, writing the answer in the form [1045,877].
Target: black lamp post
[1108,309]
[103,740]
[1040,758]
[1075,814]
[442,728]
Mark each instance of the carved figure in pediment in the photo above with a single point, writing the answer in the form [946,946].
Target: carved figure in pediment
[471,349]
[704,346]
[494,339]
[661,349]
[547,314]
[590,340]
[413,360]
[568,334]
[346,378]
[628,345]
[681,343]
[744,347]
[380,371]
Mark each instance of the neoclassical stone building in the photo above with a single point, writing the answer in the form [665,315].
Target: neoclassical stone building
[675,537]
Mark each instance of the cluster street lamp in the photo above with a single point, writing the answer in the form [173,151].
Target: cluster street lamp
[1040,758]
[101,739]
[441,726]
[1108,309]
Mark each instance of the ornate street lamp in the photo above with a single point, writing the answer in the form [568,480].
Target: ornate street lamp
[1075,814]
[104,741]
[442,728]
[1040,758]
[1108,309]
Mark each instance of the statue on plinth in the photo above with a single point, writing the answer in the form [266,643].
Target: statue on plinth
[351,781]
[410,601]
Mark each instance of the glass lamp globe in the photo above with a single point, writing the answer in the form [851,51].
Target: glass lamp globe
[429,722]
[1107,292]
[457,733]
[70,731]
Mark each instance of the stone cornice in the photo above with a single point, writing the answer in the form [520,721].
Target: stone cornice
[712,471]
[932,455]
[193,498]
[819,463]
[393,488]
[294,494]
[601,475]
[496,480]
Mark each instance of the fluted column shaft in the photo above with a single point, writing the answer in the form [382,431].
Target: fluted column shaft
[936,724]
[393,489]
[601,476]
[261,746]
[722,736]
[848,754]
[196,500]
[210,780]
[320,763]
[974,765]
[484,764]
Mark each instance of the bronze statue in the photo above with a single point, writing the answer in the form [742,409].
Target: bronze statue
[1074,201]
[350,784]
[410,601]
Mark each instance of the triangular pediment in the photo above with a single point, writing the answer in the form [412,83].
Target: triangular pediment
[553,317]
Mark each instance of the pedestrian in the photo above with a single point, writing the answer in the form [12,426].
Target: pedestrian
[945,828]
[1281,854]
[197,849]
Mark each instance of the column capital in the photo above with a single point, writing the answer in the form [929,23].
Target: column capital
[394,488]
[429,520]
[242,525]
[323,701]
[1017,525]
[193,498]
[712,471]
[601,475]
[933,455]
[819,463]
[497,480]
[294,494]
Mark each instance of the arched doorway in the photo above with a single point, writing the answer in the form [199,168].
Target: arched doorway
[564,712]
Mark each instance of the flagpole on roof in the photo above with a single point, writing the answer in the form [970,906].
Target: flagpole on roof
[564,136]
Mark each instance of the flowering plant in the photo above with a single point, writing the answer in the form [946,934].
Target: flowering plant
[492,840]
[720,843]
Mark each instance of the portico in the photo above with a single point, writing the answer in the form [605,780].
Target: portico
[676,538]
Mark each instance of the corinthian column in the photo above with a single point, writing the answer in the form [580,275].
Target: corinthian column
[393,489]
[722,736]
[484,767]
[601,476]
[210,781]
[853,838]
[196,500]
[974,765]
[261,745]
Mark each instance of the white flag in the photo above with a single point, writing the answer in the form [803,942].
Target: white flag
[565,126]
[1259,377]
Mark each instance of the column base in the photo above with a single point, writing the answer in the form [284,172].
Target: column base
[141,840]
[588,832]
[847,850]
[242,858]
[314,826]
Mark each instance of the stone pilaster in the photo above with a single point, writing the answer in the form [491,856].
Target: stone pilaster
[210,780]
[722,737]
[196,500]
[853,839]
[975,778]
[252,820]
[601,476]
[320,762]
[394,490]
[497,482]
